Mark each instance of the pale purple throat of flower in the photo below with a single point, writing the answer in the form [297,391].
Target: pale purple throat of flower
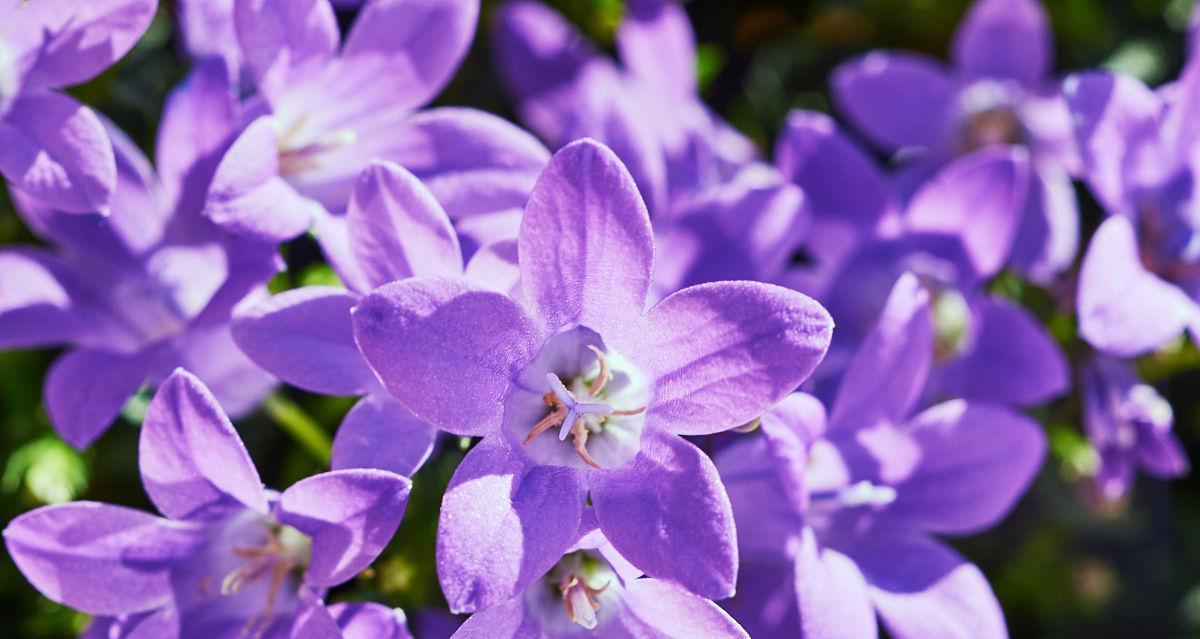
[581,584]
[285,552]
[990,116]
[302,149]
[576,417]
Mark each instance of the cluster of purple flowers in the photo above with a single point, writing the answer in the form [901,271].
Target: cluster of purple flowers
[671,439]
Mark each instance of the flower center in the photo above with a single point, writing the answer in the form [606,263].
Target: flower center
[578,413]
[990,116]
[286,549]
[297,154]
[581,583]
[580,600]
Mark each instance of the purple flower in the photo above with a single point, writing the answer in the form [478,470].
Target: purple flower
[52,148]
[395,230]
[593,591]
[328,108]
[718,211]
[146,289]
[580,393]
[840,527]
[998,92]
[231,559]
[1140,277]
[956,232]
[1129,423]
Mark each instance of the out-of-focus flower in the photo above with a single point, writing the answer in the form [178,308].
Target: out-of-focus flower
[327,108]
[52,148]
[146,289]
[594,591]
[231,559]
[395,230]
[998,92]
[1140,277]
[1130,424]
[720,212]
[837,516]
[581,358]
[957,231]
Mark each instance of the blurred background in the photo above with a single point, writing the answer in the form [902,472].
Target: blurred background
[1064,564]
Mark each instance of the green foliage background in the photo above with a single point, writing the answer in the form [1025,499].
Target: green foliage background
[1064,565]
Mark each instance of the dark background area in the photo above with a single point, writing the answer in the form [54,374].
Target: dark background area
[1064,565]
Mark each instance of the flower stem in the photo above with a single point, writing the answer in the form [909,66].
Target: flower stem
[300,426]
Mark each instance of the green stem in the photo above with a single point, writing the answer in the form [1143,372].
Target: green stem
[300,426]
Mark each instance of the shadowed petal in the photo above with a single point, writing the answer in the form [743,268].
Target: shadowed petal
[74,43]
[887,375]
[923,589]
[199,117]
[283,41]
[898,99]
[305,337]
[397,229]
[38,305]
[193,464]
[380,433]
[101,559]
[668,514]
[725,352]
[1008,39]
[497,265]
[1124,309]
[56,150]
[658,47]
[503,524]
[350,515]
[585,243]
[976,462]
[505,620]
[85,390]
[448,350]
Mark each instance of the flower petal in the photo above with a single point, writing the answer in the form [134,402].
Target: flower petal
[39,303]
[283,41]
[585,244]
[655,608]
[668,514]
[74,43]
[1124,309]
[413,46]
[979,198]
[193,464]
[923,589]
[1116,122]
[248,197]
[101,559]
[831,594]
[658,47]
[723,353]
[198,119]
[1012,360]
[306,338]
[1048,239]
[505,620]
[380,433]
[448,350]
[498,266]
[887,375]
[86,388]
[350,515]
[397,229]
[368,620]
[56,151]
[503,524]
[1009,39]
[897,99]
[976,462]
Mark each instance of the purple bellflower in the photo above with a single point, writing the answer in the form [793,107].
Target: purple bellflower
[230,558]
[837,515]
[1129,424]
[52,148]
[956,232]
[329,108]
[146,289]
[581,394]
[594,592]
[998,92]
[1140,277]
[719,212]
[396,229]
